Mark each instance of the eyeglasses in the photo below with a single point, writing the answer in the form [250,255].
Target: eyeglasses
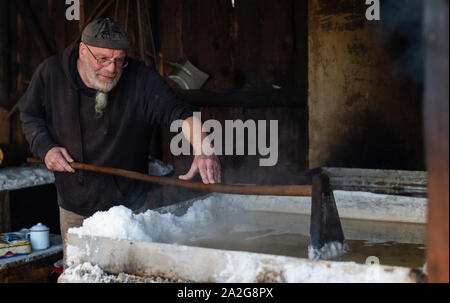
[121,63]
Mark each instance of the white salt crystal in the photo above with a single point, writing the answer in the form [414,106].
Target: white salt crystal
[87,273]
[120,223]
[328,250]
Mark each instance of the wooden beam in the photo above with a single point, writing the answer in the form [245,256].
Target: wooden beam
[436,138]
[246,98]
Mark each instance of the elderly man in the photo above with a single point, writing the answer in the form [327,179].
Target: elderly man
[92,104]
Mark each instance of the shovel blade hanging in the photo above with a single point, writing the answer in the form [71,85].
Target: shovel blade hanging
[187,76]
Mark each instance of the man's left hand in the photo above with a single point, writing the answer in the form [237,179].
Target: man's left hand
[209,168]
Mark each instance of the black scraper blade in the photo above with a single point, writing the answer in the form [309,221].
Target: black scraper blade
[326,235]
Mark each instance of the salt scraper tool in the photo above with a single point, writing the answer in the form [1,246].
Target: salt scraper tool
[270,190]
[326,235]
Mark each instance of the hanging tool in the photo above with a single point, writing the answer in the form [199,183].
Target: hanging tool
[185,74]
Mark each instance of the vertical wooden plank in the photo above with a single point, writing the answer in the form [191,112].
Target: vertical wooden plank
[300,72]
[4,73]
[170,33]
[82,21]
[207,42]
[4,48]
[12,28]
[277,44]
[5,213]
[19,145]
[141,33]
[248,48]
[20,48]
[4,127]
[436,134]
[264,51]
[31,23]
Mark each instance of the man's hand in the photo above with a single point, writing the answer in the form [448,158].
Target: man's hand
[209,168]
[57,159]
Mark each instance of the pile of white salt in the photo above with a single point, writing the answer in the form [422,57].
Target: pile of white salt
[120,223]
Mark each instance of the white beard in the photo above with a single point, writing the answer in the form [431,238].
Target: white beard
[102,87]
[101,102]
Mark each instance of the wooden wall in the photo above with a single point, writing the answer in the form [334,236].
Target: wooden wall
[365,85]
[251,45]
[247,50]
[338,102]
[255,54]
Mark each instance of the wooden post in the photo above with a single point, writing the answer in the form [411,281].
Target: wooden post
[436,138]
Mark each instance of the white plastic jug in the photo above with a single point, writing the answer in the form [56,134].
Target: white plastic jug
[39,236]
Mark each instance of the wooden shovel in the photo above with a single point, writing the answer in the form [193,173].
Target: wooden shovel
[265,190]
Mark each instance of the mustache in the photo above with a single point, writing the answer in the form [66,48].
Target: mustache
[113,75]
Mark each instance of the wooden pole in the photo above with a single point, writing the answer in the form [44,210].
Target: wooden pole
[270,190]
[436,138]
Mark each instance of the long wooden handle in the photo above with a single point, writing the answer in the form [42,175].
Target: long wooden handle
[264,190]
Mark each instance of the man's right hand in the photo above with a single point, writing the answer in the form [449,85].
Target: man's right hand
[57,159]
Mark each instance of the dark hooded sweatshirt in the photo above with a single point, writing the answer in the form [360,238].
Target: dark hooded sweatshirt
[58,110]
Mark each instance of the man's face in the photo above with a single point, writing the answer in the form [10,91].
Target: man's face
[100,66]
